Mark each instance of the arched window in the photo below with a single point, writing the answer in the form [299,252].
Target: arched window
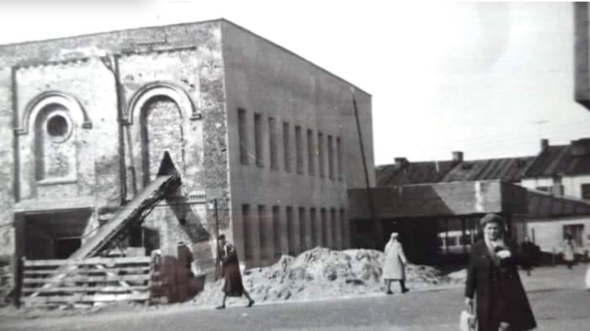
[161,131]
[46,133]
[55,150]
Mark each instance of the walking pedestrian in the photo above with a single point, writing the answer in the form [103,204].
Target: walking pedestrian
[569,251]
[394,266]
[230,270]
[492,278]
[528,249]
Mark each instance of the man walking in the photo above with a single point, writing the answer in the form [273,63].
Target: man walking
[230,270]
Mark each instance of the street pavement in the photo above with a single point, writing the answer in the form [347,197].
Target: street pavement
[557,295]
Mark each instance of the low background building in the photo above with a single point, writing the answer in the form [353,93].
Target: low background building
[556,180]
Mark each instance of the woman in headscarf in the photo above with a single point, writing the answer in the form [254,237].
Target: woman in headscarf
[394,266]
[569,251]
[230,270]
[493,279]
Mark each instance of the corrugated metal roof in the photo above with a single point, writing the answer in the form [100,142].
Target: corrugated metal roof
[562,160]
[573,159]
[506,169]
[543,205]
[412,173]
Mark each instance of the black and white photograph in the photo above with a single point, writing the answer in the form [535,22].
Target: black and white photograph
[294,165]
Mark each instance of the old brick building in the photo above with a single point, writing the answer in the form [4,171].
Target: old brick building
[85,123]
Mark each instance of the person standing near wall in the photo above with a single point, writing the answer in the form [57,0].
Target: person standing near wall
[528,249]
[493,279]
[569,251]
[394,266]
[230,271]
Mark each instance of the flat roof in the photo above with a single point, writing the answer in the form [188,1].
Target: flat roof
[218,20]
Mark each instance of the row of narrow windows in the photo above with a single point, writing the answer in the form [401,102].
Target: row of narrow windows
[321,147]
[302,229]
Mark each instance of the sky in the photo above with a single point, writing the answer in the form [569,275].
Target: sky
[487,79]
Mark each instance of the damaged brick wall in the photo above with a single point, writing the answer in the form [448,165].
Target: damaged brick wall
[163,96]
[186,59]
[6,168]
[90,84]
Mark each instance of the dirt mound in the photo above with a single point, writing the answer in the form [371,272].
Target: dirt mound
[319,273]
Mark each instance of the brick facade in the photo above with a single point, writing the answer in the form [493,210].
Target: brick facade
[85,122]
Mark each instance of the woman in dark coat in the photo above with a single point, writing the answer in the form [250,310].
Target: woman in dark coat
[493,279]
[230,270]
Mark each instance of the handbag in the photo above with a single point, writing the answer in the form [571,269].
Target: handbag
[467,320]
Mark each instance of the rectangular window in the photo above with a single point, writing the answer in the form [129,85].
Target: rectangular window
[276,225]
[243,136]
[258,140]
[339,157]
[291,231]
[321,153]
[302,229]
[335,229]
[330,158]
[248,248]
[310,153]
[299,149]
[272,140]
[325,228]
[344,229]
[263,226]
[315,233]
[287,146]
[585,190]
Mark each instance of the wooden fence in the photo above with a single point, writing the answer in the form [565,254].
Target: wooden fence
[87,281]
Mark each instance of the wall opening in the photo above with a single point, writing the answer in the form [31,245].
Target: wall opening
[161,131]
[276,220]
[310,153]
[55,151]
[299,149]
[291,231]
[258,138]
[64,247]
[287,146]
[321,154]
[302,229]
[54,235]
[243,136]
[272,140]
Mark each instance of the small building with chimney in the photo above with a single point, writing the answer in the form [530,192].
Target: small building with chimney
[544,197]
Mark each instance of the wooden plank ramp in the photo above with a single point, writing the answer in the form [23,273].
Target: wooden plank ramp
[90,281]
[109,233]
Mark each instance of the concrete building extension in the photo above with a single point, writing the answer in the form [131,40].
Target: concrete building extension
[435,220]
[555,204]
[86,122]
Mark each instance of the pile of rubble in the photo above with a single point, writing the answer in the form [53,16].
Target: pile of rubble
[320,273]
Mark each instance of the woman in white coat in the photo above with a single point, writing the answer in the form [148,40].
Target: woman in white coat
[394,266]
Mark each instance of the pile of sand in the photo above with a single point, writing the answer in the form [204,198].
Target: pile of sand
[320,273]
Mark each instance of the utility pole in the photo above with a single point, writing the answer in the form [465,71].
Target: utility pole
[218,259]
